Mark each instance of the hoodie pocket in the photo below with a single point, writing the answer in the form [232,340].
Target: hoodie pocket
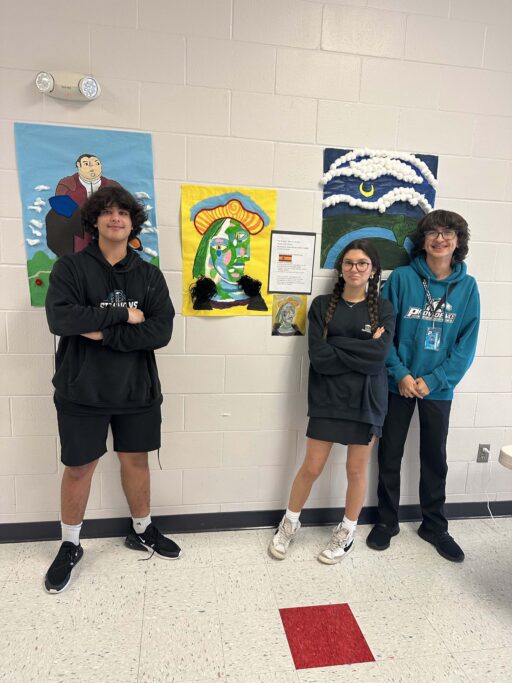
[113,379]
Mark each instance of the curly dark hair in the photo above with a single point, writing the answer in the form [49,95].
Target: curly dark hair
[372,296]
[441,219]
[112,196]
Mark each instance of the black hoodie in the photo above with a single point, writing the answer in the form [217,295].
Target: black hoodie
[87,294]
[347,373]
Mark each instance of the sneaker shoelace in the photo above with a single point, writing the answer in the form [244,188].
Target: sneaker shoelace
[338,539]
[66,555]
[285,532]
[151,537]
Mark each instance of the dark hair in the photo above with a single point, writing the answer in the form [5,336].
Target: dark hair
[83,156]
[372,297]
[441,219]
[110,196]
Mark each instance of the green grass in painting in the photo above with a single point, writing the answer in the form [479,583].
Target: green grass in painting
[392,254]
[39,268]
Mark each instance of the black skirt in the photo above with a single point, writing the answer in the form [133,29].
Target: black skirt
[342,431]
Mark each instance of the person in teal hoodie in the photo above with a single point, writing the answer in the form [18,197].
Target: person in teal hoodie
[437,311]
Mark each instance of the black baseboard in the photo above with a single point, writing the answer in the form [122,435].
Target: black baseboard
[229,521]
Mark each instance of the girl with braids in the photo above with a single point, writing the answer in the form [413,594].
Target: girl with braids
[350,334]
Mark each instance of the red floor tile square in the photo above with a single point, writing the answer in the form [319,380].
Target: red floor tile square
[324,635]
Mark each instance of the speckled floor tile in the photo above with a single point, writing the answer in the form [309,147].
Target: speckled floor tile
[468,622]
[221,600]
[236,547]
[487,666]
[242,588]
[308,583]
[181,647]
[254,642]
[174,587]
[267,677]
[367,672]
[26,656]
[96,598]
[9,554]
[397,629]
[433,669]
[96,653]
[433,575]
[195,548]
[110,556]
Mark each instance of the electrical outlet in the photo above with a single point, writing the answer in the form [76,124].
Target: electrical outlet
[483,452]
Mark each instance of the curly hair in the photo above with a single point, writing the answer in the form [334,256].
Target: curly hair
[112,196]
[441,219]
[372,295]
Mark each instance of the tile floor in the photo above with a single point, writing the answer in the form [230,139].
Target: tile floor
[213,615]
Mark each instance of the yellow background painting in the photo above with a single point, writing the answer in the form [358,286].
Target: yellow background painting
[296,325]
[255,211]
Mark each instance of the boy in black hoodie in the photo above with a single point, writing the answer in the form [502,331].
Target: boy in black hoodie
[111,310]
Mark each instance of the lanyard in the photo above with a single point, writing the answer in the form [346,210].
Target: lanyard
[430,300]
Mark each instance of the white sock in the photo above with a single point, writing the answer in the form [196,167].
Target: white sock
[293,517]
[71,532]
[349,524]
[140,524]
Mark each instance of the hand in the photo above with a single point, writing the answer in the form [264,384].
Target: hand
[95,336]
[407,387]
[422,387]
[378,333]
[135,316]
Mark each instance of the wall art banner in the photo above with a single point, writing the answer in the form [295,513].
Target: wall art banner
[289,315]
[375,194]
[59,167]
[225,243]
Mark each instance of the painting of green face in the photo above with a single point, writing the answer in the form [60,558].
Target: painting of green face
[228,252]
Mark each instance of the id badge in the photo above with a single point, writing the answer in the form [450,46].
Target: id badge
[433,339]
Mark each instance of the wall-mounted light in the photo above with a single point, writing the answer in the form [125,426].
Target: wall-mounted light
[66,85]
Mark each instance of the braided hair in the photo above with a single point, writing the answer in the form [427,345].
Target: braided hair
[372,295]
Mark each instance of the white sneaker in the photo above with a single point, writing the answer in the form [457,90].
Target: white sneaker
[340,545]
[278,546]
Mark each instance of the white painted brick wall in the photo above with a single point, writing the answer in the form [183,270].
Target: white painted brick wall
[249,93]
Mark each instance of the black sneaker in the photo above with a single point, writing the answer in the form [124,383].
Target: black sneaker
[58,577]
[445,545]
[380,536]
[153,541]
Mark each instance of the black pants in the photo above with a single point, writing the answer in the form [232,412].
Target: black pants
[434,422]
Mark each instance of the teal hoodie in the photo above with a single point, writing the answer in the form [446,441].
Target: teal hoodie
[458,320]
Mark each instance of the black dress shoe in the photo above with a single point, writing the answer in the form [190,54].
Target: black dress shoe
[444,544]
[380,536]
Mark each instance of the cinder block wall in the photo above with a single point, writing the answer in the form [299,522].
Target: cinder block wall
[249,92]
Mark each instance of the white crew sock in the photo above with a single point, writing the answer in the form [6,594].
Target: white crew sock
[350,525]
[140,524]
[71,532]
[293,517]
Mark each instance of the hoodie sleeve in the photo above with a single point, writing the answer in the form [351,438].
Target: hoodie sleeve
[396,369]
[339,355]
[155,332]
[454,367]
[322,356]
[367,356]
[66,315]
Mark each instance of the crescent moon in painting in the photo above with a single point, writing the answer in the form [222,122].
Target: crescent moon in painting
[365,193]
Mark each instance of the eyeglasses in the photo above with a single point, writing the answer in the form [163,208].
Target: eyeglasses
[361,266]
[445,234]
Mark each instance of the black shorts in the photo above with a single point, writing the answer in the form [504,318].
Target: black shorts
[83,438]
